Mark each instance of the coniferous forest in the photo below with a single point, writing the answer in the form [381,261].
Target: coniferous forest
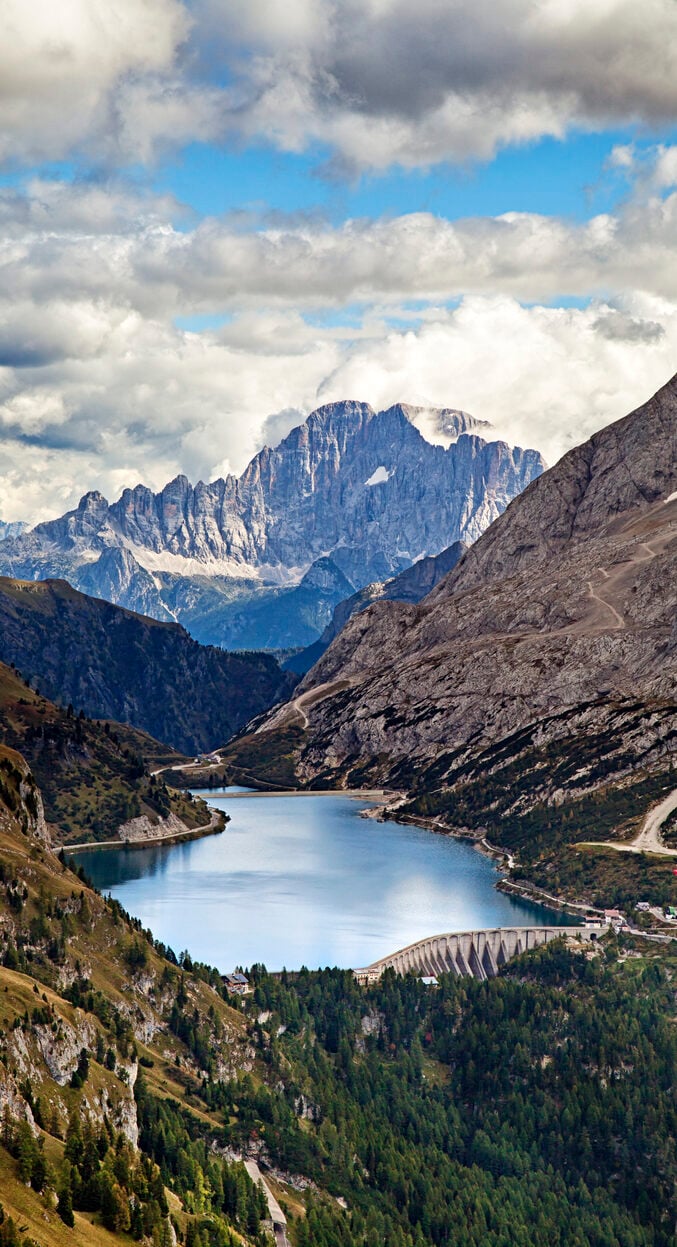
[536,1108]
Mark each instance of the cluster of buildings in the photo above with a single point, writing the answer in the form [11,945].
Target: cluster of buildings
[608,918]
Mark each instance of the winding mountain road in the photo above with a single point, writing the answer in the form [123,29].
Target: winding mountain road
[648,839]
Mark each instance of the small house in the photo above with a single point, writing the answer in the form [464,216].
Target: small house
[238,983]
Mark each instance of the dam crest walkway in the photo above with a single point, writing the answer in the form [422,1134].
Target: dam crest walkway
[476,954]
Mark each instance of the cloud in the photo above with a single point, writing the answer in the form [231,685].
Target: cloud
[63,65]
[377,82]
[387,82]
[97,377]
[665,167]
[544,377]
[622,156]
[129,254]
[173,401]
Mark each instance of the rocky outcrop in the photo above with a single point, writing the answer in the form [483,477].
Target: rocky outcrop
[20,797]
[13,528]
[117,577]
[366,488]
[557,626]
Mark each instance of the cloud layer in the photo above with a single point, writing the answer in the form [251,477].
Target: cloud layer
[98,373]
[376,82]
[97,377]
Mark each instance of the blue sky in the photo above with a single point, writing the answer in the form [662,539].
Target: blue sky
[551,176]
[215,217]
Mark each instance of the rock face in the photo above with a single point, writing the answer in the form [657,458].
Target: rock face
[17,782]
[117,665]
[11,529]
[551,646]
[364,488]
[117,577]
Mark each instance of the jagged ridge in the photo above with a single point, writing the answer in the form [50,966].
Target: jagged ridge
[361,486]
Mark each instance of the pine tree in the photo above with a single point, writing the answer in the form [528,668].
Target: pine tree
[64,1207]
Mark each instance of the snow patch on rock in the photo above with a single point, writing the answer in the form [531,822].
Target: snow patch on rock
[379,477]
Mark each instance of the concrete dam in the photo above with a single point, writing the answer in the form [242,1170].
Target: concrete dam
[478,954]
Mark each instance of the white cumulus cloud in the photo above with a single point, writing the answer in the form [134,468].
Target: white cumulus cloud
[378,82]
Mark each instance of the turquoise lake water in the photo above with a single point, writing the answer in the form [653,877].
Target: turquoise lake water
[305,880]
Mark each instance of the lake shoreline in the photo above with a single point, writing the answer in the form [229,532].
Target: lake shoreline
[310,883]
[360,794]
[213,828]
[503,858]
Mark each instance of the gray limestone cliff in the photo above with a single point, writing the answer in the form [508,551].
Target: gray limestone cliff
[365,488]
[551,644]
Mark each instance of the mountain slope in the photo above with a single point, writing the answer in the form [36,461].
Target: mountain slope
[118,665]
[411,585]
[363,487]
[543,668]
[92,776]
[104,1043]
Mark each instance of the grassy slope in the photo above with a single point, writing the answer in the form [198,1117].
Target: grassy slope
[98,943]
[91,774]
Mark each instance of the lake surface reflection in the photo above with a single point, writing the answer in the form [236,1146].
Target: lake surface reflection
[305,880]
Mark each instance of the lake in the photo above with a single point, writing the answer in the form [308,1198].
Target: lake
[305,880]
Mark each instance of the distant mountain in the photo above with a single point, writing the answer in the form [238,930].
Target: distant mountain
[410,586]
[533,693]
[118,665]
[212,610]
[362,488]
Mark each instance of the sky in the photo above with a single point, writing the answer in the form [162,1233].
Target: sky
[217,215]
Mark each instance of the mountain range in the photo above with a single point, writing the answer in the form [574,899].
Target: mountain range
[350,497]
[533,693]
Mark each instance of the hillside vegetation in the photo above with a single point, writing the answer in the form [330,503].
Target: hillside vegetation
[93,1053]
[117,665]
[92,775]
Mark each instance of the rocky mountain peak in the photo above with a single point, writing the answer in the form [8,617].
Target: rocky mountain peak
[443,425]
[324,574]
[366,488]
[11,528]
[93,501]
[625,467]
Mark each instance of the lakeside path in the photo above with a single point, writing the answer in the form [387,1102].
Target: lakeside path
[167,837]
